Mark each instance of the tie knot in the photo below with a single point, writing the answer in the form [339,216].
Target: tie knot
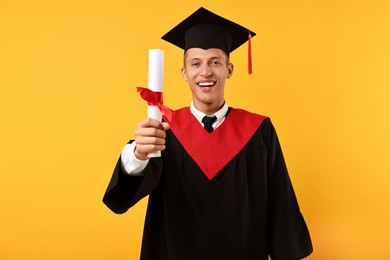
[208,122]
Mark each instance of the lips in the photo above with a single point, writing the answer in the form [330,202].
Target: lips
[206,84]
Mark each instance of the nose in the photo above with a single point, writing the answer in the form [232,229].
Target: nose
[206,71]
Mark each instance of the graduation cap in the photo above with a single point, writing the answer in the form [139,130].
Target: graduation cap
[205,29]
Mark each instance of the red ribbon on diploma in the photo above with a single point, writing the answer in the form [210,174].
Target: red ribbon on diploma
[155,99]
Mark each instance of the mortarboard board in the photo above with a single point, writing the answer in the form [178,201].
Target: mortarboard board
[205,29]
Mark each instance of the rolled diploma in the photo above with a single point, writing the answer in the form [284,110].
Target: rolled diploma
[155,83]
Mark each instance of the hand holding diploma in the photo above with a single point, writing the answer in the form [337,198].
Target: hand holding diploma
[150,138]
[150,133]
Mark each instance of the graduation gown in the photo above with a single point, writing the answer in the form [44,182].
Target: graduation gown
[220,195]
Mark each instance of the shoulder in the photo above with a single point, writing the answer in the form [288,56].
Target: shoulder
[261,124]
[265,127]
[181,112]
[182,109]
[243,114]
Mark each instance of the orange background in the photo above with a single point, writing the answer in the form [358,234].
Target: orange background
[68,73]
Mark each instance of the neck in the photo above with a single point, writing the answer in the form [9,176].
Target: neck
[209,109]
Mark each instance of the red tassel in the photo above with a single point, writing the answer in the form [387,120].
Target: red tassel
[249,53]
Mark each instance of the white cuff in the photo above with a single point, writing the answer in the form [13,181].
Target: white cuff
[130,164]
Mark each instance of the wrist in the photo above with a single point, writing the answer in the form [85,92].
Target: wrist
[140,156]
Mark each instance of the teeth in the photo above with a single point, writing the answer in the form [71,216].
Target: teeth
[206,84]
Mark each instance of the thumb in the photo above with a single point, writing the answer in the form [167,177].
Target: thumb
[165,126]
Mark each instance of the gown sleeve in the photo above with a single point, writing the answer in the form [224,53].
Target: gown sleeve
[289,238]
[124,190]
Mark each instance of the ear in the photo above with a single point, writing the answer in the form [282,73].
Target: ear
[230,70]
[184,74]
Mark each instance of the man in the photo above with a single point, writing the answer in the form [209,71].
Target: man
[220,189]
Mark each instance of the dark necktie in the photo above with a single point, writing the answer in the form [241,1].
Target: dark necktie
[208,123]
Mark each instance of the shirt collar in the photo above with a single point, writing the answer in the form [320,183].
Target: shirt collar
[220,114]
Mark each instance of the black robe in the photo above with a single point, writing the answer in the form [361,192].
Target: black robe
[246,210]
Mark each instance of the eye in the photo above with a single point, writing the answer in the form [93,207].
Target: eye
[215,63]
[195,64]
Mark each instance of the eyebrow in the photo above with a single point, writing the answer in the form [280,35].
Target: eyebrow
[211,58]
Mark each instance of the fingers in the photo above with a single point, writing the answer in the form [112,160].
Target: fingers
[151,128]
[149,122]
[150,137]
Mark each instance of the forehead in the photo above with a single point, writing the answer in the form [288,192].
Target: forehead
[198,53]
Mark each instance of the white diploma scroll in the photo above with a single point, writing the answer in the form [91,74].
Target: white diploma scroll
[155,83]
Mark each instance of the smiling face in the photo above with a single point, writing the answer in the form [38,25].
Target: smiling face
[206,72]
